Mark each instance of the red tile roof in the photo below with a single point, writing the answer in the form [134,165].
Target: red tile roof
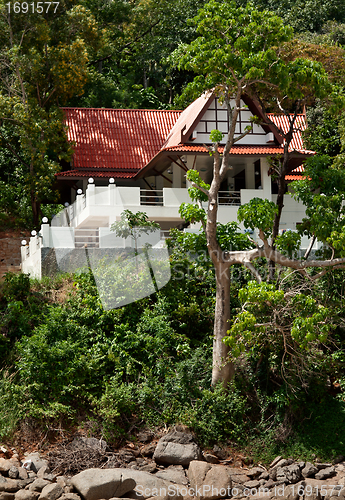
[121,140]
[105,174]
[236,150]
[282,122]
[294,177]
[119,143]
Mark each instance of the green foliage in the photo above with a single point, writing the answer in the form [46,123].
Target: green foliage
[133,224]
[288,243]
[195,193]
[322,134]
[304,15]
[322,191]
[216,136]
[11,409]
[192,213]
[258,214]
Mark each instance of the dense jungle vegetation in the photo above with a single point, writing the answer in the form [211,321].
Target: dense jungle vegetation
[65,361]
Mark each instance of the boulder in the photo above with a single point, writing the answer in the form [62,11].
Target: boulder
[174,473]
[51,492]
[148,450]
[152,468]
[290,474]
[13,472]
[4,495]
[149,485]
[93,484]
[10,485]
[309,470]
[26,495]
[7,464]
[325,473]
[177,448]
[254,472]
[38,484]
[209,481]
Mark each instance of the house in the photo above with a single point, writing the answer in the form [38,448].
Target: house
[137,160]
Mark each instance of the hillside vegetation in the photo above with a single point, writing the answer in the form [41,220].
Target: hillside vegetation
[69,364]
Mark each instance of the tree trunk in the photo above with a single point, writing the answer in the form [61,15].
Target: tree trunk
[222,369]
[36,210]
[280,205]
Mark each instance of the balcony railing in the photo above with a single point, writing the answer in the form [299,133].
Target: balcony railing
[151,197]
[232,198]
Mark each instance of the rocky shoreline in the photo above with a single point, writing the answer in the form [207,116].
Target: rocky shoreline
[175,468]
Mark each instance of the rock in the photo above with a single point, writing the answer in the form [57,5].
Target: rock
[325,473]
[70,496]
[288,492]
[148,450]
[280,465]
[270,484]
[284,462]
[211,459]
[275,461]
[149,485]
[167,497]
[252,484]
[145,436]
[6,464]
[51,492]
[22,473]
[318,487]
[82,443]
[220,453]
[264,475]
[38,484]
[239,478]
[209,481]
[149,468]
[26,495]
[37,461]
[45,473]
[292,473]
[334,493]
[177,448]
[10,485]
[321,465]
[174,473]
[93,484]
[309,470]
[6,496]
[96,444]
[254,472]
[338,459]
[13,472]
[126,456]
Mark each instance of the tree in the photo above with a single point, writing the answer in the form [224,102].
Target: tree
[133,225]
[43,62]
[238,52]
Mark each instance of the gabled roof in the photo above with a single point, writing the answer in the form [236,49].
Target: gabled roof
[115,142]
[187,121]
[127,143]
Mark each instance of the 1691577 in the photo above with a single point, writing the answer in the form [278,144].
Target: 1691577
[33,7]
